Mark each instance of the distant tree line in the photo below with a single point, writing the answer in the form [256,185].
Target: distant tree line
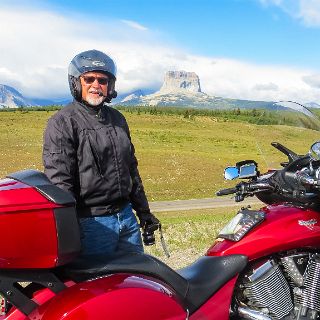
[258,116]
[36,108]
[255,116]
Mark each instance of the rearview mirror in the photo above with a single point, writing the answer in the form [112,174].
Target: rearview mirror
[248,170]
[231,173]
[315,151]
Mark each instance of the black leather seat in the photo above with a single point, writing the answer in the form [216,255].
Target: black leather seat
[194,284]
[207,275]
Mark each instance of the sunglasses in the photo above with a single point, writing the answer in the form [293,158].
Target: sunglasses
[91,79]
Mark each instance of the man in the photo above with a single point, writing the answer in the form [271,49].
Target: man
[88,152]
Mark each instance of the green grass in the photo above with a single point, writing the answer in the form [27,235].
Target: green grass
[179,158]
[21,140]
[189,234]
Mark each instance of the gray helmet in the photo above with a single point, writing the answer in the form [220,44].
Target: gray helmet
[91,60]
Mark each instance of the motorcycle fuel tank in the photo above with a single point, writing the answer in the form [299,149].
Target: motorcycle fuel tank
[285,227]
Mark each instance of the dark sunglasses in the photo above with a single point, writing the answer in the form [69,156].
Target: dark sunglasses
[91,79]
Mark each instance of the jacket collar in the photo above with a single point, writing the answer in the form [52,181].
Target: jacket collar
[96,111]
[90,109]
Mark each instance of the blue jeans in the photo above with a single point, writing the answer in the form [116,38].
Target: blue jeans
[119,232]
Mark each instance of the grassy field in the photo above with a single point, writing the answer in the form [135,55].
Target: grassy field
[189,234]
[179,158]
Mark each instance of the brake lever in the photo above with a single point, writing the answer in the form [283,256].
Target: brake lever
[249,189]
[239,197]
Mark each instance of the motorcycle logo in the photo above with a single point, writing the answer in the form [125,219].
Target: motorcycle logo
[98,63]
[308,223]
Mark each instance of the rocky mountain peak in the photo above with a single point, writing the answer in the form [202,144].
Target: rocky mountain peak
[11,98]
[177,81]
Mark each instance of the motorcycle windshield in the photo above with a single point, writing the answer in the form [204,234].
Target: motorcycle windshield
[289,123]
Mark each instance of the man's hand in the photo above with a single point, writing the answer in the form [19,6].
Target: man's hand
[148,219]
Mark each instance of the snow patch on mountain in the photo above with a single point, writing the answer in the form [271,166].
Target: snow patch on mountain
[11,98]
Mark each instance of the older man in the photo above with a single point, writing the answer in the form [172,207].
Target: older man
[88,152]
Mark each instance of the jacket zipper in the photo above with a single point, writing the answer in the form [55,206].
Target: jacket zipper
[116,160]
[95,157]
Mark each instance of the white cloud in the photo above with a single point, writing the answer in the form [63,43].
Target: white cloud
[270,2]
[236,79]
[134,25]
[307,11]
[310,12]
[266,87]
[312,80]
[37,46]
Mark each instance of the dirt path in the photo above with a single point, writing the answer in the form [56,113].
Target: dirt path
[193,204]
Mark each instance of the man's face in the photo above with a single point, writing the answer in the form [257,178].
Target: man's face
[94,87]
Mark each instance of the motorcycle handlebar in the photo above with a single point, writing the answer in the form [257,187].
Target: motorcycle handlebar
[260,185]
[225,192]
[306,179]
[245,188]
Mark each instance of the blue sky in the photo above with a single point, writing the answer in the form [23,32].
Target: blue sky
[246,29]
[250,49]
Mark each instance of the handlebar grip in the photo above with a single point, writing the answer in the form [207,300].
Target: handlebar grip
[225,192]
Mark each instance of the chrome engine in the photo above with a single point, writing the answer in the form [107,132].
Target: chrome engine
[285,287]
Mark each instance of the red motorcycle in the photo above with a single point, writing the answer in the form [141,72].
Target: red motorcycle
[265,264]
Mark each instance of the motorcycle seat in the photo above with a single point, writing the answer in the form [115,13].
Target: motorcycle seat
[193,284]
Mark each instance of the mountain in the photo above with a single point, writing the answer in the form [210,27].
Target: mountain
[181,81]
[182,89]
[312,105]
[50,102]
[132,94]
[11,98]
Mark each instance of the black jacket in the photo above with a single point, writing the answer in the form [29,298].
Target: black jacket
[88,152]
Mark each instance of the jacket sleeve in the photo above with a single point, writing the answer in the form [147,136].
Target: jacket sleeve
[138,197]
[59,154]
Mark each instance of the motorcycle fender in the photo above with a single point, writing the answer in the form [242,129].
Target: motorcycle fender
[284,228]
[218,306]
[118,296]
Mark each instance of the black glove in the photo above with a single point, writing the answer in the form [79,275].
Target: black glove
[148,219]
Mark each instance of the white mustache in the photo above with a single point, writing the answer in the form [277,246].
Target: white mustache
[96,91]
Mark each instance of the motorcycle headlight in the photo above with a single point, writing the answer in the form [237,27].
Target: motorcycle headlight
[241,224]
